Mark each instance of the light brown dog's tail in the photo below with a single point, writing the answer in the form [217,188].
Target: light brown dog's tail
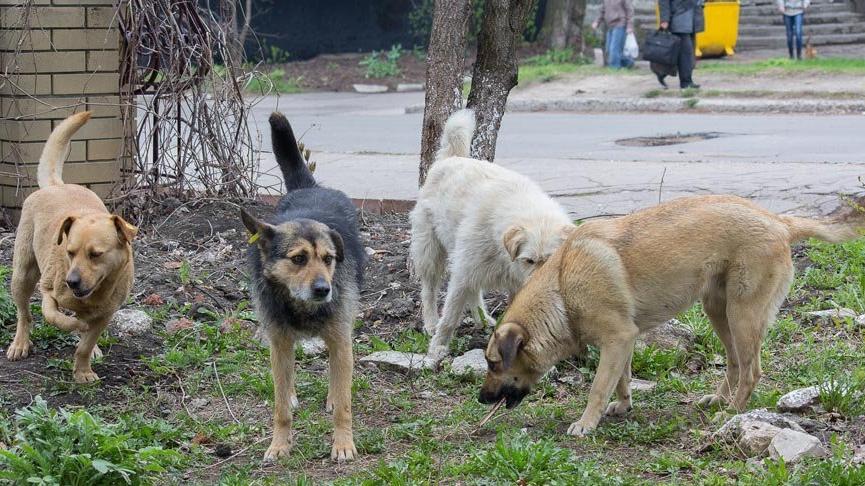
[50,171]
[848,223]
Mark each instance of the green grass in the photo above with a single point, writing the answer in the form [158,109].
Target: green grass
[383,64]
[783,65]
[275,81]
[7,307]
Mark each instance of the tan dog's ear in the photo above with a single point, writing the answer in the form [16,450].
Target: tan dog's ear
[64,228]
[567,230]
[513,239]
[507,342]
[338,244]
[125,231]
[261,232]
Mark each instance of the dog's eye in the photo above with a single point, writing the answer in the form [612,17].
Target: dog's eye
[95,254]
[530,261]
[328,259]
[299,259]
[71,254]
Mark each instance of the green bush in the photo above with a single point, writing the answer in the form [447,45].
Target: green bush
[75,448]
[383,64]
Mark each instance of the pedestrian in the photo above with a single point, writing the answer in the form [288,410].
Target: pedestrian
[618,17]
[794,13]
[684,19]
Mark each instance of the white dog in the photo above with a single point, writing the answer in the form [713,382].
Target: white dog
[494,225]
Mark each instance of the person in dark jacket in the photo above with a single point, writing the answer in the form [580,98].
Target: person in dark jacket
[684,18]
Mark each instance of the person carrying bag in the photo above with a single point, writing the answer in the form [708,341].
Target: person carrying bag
[684,19]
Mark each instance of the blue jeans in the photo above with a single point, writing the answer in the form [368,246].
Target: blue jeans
[615,45]
[793,23]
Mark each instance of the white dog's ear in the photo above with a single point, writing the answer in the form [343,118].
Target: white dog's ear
[513,239]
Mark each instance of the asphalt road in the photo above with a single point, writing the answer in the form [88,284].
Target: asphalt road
[367,146]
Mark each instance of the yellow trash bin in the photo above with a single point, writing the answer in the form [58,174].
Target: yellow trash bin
[722,28]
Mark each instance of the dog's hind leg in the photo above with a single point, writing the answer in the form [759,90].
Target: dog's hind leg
[715,306]
[478,309]
[282,367]
[340,370]
[429,260]
[25,276]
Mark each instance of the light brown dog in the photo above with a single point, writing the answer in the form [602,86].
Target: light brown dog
[614,279]
[78,253]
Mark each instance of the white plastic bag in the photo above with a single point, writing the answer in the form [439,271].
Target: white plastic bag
[632,50]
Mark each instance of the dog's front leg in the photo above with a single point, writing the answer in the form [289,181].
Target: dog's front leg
[615,354]
[82,371]
[282,368]
[340,369]
[52,314]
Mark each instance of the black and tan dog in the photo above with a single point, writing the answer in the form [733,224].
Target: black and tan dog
[613,279]
[306,270]
[78,253]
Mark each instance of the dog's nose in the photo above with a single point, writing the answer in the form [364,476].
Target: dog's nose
[320,289]
[73,280]
[487,398]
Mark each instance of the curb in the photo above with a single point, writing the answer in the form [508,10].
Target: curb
[682,105]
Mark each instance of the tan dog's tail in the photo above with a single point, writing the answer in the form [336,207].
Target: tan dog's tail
[50,171]
[847,224]
[457,135]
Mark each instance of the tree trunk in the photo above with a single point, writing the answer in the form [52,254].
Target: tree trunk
[233,47]
[495,71]
[444,74]
[563,24]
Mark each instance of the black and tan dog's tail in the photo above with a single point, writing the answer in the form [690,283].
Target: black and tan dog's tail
[295,173]
[50,170]
[847,224]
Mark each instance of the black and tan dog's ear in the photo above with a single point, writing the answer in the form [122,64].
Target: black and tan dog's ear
[513,239]
[507,342]
[64,228]
[261,232]
[125,231]
[338,244]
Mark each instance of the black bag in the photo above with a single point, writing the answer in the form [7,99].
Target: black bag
[661,47]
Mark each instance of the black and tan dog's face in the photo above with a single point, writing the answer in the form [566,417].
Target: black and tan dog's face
[95,247]
[300,255]
[508,374]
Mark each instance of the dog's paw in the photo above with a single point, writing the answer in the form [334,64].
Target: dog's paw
[343,451]
[18,350]
[430,328]
[579,429]
[85,376]
[437,353]
[710,401]
[618,408]
[278,449]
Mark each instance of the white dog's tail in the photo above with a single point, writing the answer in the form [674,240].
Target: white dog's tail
[50,171]
[456,138]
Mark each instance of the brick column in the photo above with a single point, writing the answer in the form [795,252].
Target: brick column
[58,57]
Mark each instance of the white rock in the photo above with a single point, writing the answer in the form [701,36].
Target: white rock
[732,430]
[859,454]
[313,346]
[840,313]
[403,87]
[756,437]
[399,361]
[130,322]
[472,362]
[642,385]
[369,251]
[799,400]
[861,320]
[792,446]
[370,88]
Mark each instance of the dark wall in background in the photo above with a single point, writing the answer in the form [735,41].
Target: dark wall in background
[306,28]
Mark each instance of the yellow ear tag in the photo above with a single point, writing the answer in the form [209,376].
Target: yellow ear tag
[254,237]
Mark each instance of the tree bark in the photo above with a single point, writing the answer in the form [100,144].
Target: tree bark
[444,74]
[563,24]
[495,71]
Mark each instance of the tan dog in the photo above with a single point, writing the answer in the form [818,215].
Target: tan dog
[614,279]
[78,253]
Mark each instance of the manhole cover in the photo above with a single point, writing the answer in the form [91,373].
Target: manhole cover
[661,140]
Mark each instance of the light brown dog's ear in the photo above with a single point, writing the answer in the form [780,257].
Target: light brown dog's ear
[567,230]
[64,228]
[513,239]
[338,244]
[125,231]
[261,232]
[508,340]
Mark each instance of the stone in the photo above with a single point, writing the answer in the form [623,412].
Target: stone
[405,87]
[840,313]
[472,362]
[130,322]
[756,436]
[669,335]
[642,385]
[800,400]
[859,454]
[313,346]
[732,430]
[399,361]
[198,403]
[400,307]
[370,88]
[861,320]
[792,445]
